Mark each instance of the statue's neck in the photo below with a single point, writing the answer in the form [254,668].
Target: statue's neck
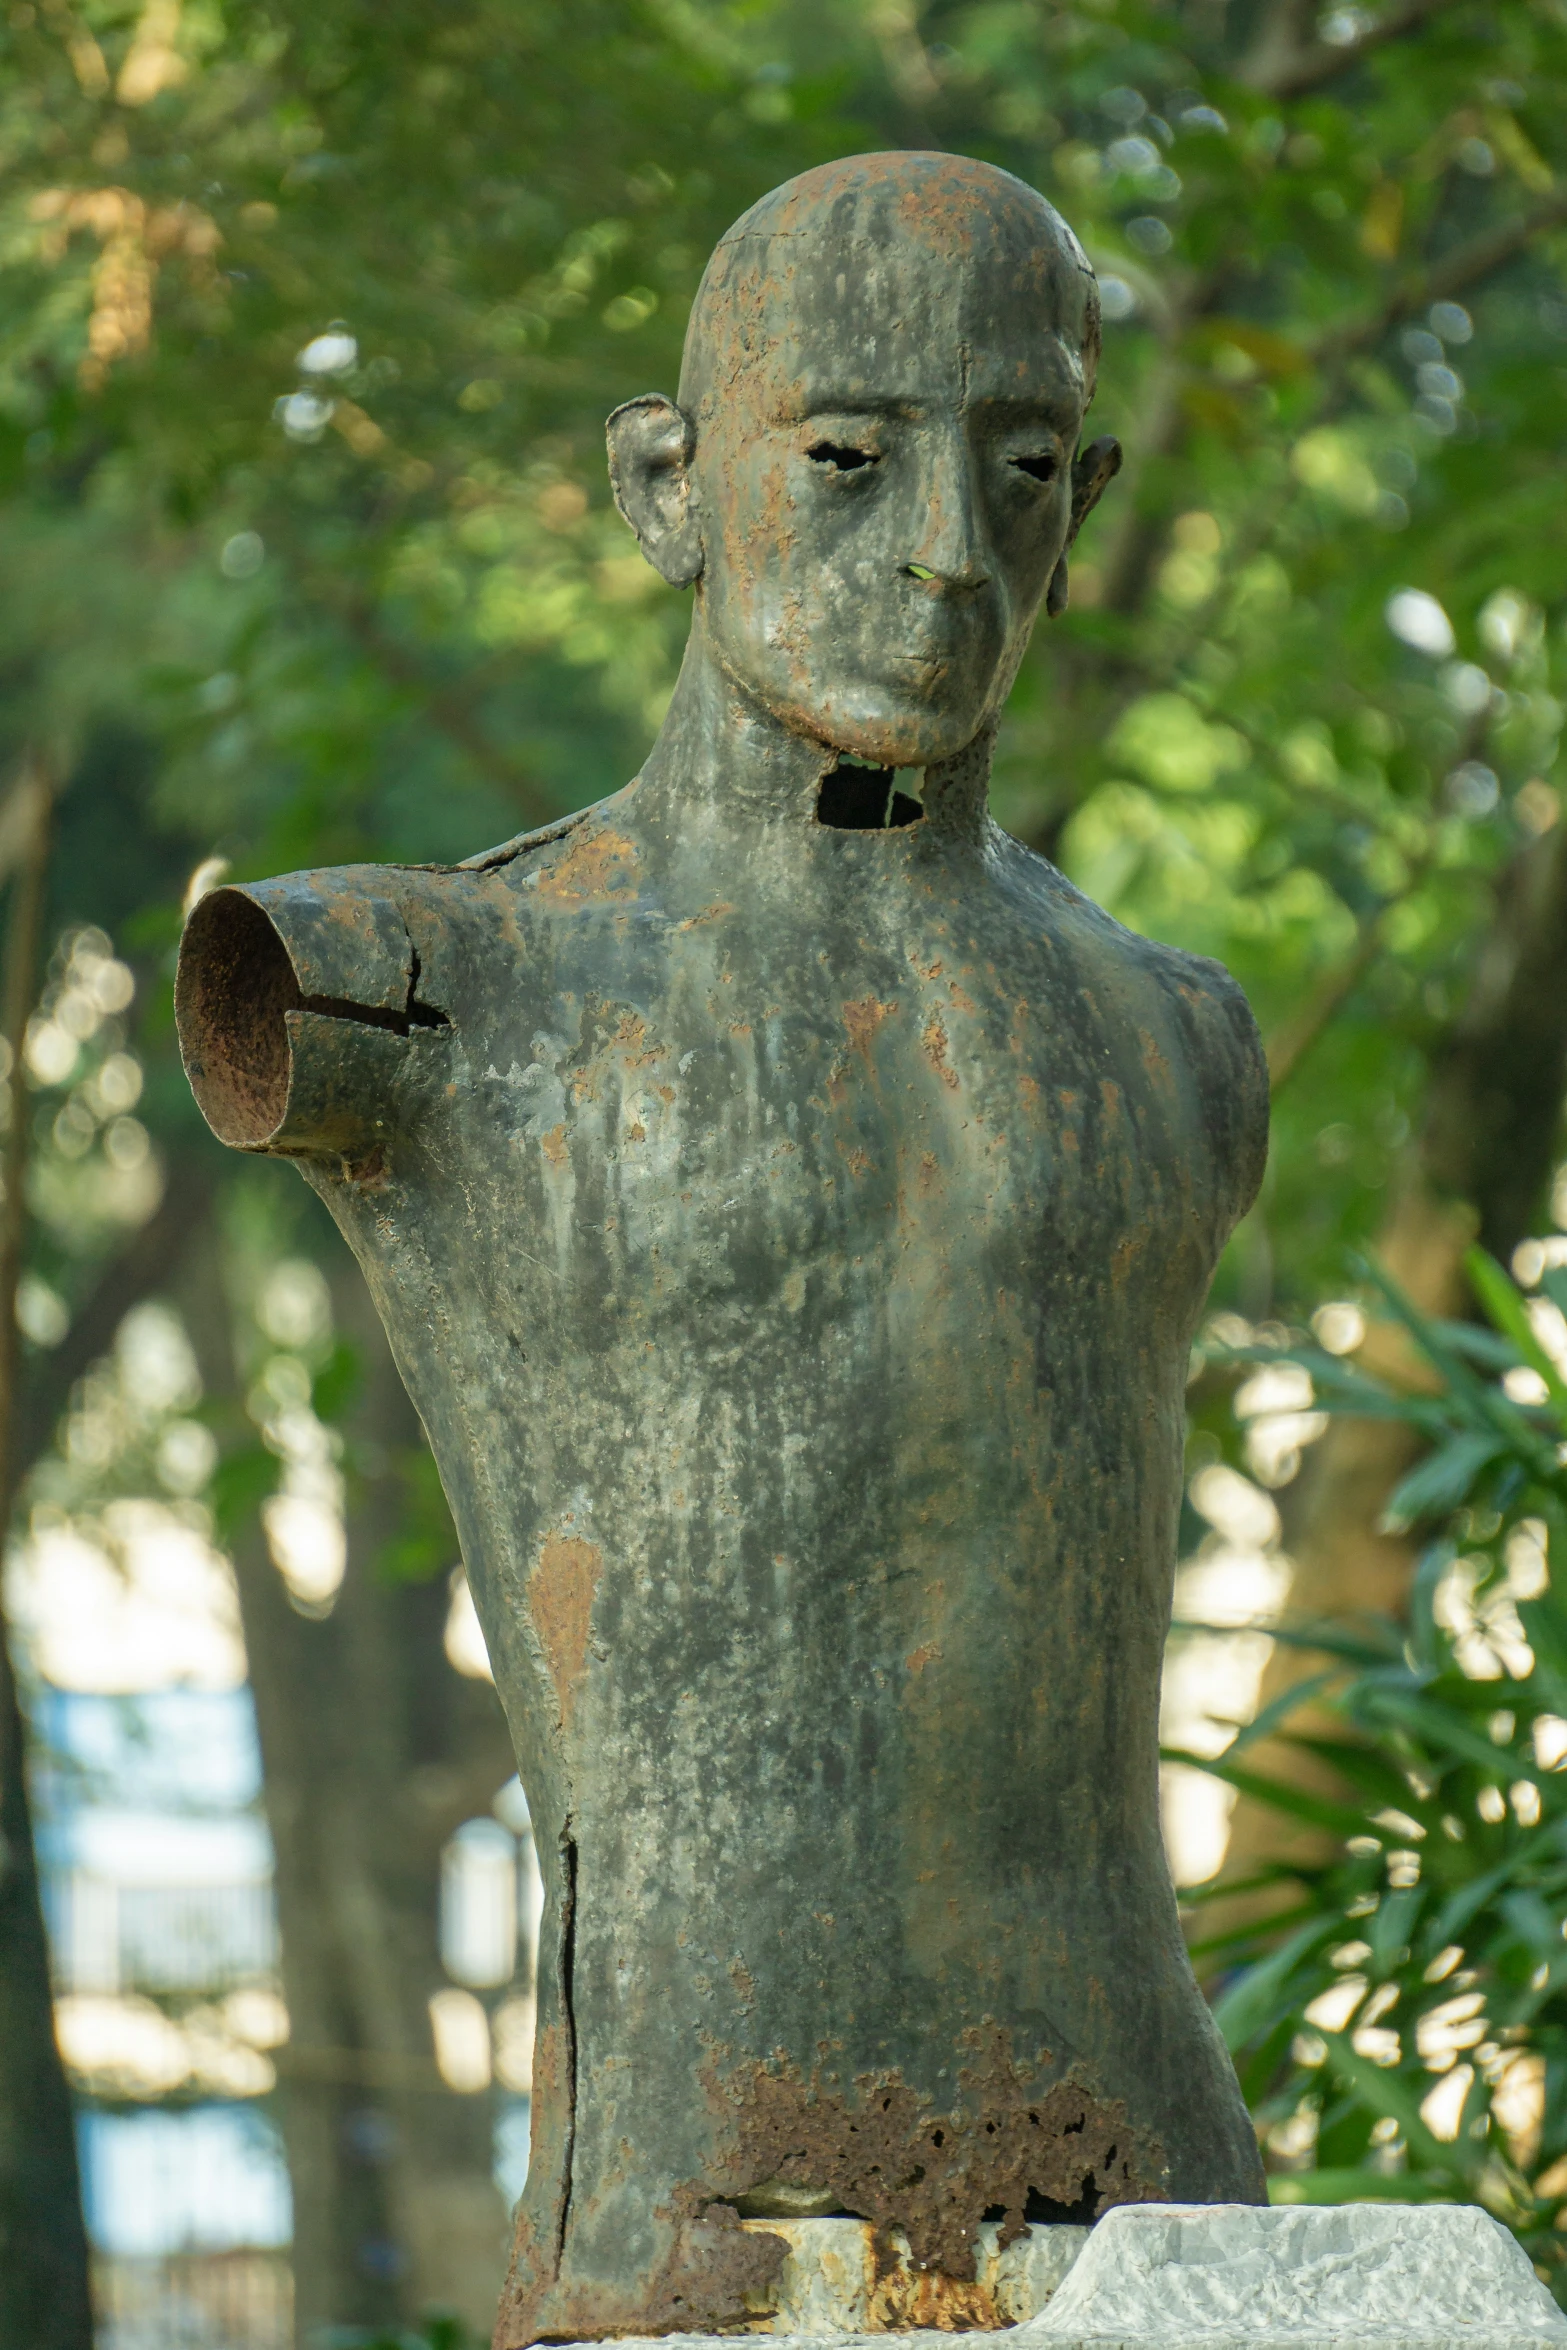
[722,763]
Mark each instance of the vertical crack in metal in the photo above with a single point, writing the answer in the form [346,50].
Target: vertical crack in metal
[568,1953]
[417,1014]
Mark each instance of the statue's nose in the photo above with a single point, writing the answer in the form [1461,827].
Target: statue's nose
[952,551]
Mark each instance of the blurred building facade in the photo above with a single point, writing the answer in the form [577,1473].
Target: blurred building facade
[159,1896]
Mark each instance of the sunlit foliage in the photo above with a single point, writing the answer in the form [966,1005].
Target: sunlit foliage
[1401,2024]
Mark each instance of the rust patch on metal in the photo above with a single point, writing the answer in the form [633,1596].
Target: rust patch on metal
[904,2299]
[918,1658]
[553,1145]
[1011,2146]
[933,1041]
[630,1042]
[236,986]
[561,1590]
[717,2277]
[862,1021]
[598,864]
[1155,1063]
[369,1173]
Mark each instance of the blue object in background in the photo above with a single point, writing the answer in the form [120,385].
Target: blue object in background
[513,2122]
[206,2179]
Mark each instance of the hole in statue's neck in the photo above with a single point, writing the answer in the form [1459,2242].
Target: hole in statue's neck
[854,798]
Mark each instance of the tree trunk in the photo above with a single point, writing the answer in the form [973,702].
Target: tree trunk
[1478,1167]
[373,1752]
[45,2301]
[45,2296]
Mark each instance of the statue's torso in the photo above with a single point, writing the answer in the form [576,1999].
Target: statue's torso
[794,1250]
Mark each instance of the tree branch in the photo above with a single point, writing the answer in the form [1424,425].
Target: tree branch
[1494,1109]
[448,710]
[1129,560]
[142,1267]
[1278,69]
[1454,273]
[1294,1040]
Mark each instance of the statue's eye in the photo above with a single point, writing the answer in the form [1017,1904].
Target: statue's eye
[840,458]
[1042,468]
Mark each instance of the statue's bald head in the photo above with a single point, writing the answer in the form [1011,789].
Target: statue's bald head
[877,246]
[870,470]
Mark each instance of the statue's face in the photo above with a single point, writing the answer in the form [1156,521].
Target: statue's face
[882,478]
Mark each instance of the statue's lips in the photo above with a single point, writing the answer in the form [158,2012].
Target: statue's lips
[931,678]
[926,668]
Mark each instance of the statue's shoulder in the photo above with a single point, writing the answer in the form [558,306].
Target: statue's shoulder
[1210,1000]
[1191,1014]
[523,849]
[592,859]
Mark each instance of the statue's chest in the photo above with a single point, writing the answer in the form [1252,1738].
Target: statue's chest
[711,1120]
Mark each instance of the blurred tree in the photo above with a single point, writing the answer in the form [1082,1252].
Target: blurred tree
[44,2294]
[311,321]
[374,1752]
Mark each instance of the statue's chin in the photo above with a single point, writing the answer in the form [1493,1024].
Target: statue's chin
[889,729]
[914,708]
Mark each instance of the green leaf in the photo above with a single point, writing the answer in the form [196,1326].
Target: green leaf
[1289,1701]
[1391,2097]
[1299,1802]
[1452,1920]
[1532,1921]
[425,1544]
[1449,1732]
[1247,2006]
[241,1482]
[1363,2186]
[336,1383]
[1462,1385]
[1391,1929]
[1372,1769]
[1442,1480]
[1503,1301]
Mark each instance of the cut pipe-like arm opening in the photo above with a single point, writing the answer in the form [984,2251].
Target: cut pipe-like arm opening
[235,987]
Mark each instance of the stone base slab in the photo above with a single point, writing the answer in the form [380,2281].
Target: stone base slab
[1223,2276]
[1161,2276]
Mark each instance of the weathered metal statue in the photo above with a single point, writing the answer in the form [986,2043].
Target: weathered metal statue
[791,1203]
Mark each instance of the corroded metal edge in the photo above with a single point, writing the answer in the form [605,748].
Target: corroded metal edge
[1454,2338]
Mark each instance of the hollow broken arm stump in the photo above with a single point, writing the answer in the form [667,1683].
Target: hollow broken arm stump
[792,1233]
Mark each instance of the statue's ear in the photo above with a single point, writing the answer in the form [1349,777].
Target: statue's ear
[1094,470]
[650,445]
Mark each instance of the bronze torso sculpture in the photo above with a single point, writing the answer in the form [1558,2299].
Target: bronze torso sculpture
[791,1226]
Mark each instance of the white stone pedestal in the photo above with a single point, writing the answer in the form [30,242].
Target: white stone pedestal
[1163,2276]
[1401,2276]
